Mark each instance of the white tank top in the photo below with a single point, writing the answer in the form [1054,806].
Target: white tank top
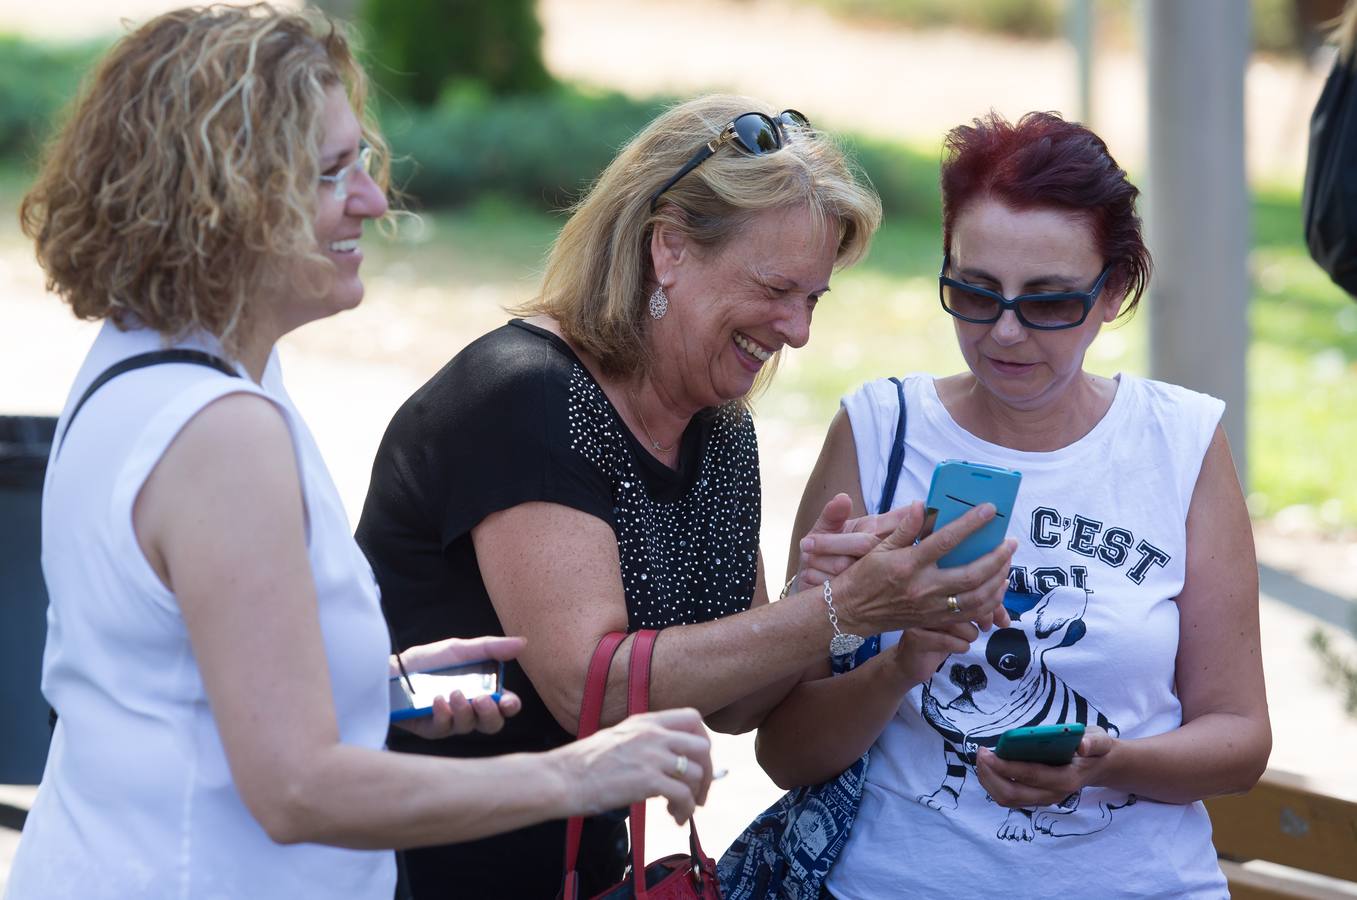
[137,798]
[1101,530]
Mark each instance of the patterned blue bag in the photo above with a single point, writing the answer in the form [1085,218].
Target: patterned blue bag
[787,851]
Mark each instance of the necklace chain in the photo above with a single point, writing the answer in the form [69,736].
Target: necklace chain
[636,408]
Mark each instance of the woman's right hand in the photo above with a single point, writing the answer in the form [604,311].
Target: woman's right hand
[639,758]
[898,584]
[922,650]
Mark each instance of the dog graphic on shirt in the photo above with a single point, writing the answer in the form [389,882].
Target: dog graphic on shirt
[970,705]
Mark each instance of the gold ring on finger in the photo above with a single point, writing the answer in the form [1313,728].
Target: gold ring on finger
[952,604]
[680,765]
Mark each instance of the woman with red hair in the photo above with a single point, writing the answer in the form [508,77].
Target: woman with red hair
[1133,592]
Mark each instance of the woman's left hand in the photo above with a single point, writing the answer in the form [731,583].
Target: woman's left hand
[455,714]
[836,541]
[1019,785]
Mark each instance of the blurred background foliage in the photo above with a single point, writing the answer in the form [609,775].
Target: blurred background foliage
[491,149]
[417,49]
[471,106]
[36,81]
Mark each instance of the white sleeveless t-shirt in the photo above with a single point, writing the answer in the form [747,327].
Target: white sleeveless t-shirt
[137,798]
[1101,530]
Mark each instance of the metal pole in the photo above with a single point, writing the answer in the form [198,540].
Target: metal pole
[1197,206]
[1079,22]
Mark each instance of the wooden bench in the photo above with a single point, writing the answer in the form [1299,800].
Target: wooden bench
[1288,821]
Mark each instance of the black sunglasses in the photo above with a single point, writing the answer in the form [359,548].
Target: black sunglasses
[753,132]
[1045,312]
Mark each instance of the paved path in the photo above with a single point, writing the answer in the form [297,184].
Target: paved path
[888,82]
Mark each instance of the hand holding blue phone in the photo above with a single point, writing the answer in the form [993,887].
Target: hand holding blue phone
[1053,745]
[453,686]
[958,487]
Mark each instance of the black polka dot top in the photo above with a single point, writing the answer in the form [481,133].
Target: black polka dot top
[515,418]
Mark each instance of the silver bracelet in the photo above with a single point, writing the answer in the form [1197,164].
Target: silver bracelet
[841,644]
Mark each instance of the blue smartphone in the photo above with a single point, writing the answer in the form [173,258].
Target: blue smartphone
[412,695]
[1053,745]
[959,486]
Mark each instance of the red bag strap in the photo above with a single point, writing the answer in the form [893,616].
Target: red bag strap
[591,710]
[638,701]
[596,683]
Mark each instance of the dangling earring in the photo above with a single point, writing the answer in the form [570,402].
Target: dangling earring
[659,302]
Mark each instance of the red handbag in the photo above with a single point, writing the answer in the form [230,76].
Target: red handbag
[690,876]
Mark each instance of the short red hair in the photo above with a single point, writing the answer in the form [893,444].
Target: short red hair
[1045,162]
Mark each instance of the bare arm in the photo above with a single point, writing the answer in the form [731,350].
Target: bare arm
[220,519]
[746,713]
[1223,744]
[826,723]
[553,575]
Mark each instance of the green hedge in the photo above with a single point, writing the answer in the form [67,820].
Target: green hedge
[545,150]
[417,49]
[36,82]
[1028,18]
[541,150]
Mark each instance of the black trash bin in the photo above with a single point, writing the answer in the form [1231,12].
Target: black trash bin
[24,444]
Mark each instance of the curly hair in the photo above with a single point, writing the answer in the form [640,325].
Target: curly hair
[1045,162]
[184,178]
[598,274]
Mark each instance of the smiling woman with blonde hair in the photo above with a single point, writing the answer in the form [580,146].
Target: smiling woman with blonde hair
[215,649]
[593,468]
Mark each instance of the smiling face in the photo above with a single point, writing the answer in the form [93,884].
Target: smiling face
[1018,252]
[731,309]
[340,213]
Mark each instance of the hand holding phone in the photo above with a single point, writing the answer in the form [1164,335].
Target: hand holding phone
[413,693]
[958,487]
[1053,745]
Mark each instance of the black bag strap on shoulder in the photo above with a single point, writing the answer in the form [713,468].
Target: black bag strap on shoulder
[141,361]
[897,460]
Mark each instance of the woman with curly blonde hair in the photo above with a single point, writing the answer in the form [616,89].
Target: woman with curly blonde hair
[216,650]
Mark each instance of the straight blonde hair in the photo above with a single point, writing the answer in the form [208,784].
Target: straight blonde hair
[598,274]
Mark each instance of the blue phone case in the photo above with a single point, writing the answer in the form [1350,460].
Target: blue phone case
[397,689]
[957,487]
[1053,745]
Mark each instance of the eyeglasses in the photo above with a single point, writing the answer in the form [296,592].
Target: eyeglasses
[340,179]
[1044,312]
[753,132]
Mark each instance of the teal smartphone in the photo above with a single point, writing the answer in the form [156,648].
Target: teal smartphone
[959,486]
[412,695]
[1050,744]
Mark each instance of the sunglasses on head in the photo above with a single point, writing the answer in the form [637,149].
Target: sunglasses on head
[1049,311]
[754,133]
